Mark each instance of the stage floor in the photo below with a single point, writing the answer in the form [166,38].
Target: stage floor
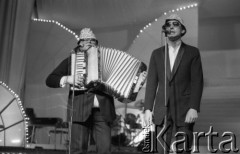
[11,150]
[115,150]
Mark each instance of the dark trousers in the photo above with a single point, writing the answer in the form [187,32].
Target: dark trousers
[185,133]
[101,134]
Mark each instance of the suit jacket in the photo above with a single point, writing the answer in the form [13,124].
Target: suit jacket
[184,84]
[83,100]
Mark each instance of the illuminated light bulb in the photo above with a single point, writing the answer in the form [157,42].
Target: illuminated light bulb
[16,141]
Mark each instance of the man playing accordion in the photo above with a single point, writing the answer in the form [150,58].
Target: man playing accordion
[88,109]
[96,75]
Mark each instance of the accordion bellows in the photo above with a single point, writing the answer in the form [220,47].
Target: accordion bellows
[112,71]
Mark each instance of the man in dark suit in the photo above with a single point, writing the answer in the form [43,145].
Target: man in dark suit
[88,109]
[176,99]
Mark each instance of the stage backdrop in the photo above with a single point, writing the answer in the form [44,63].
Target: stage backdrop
[48,45]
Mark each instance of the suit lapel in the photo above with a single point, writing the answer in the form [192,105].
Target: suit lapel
[168,63]
[177,61]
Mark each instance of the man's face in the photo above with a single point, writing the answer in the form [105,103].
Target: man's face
[85,44]
[174,29]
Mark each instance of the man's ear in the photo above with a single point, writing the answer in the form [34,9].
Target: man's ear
[183,31]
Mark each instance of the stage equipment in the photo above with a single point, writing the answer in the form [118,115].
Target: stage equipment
[109,70]
[60,134]
[13,120]
[40,122]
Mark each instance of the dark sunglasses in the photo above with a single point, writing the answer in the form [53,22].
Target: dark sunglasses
[174,24]
[91,41]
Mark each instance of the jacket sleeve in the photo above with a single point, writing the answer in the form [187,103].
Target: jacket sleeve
[196,82]
[152,84]
[53,79]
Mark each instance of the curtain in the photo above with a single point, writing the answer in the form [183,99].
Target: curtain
[15,16]
[8,10]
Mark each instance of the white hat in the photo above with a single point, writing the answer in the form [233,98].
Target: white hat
[86,33]
[177,18]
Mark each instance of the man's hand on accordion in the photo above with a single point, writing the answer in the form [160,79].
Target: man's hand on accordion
[79,80]
[143,75]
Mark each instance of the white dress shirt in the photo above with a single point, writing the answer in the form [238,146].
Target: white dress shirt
[173,51]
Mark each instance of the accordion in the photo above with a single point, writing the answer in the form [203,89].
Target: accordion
[109,70]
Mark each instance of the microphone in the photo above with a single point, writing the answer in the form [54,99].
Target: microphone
[164,30]
[75,50]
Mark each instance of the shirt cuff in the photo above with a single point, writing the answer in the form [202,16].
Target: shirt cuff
[63,81]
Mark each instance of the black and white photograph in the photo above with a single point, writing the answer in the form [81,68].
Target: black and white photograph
[119,76]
